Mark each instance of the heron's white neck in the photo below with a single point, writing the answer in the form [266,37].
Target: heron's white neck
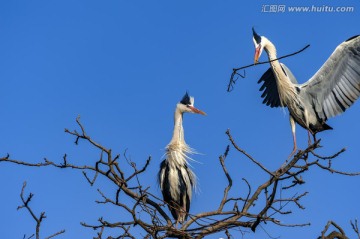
[270,49]
[286,88]
[178,134]
[177,149]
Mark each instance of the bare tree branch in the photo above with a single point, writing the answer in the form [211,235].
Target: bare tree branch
[340,234]
[38,220]
[246,154]
[355,227]
[234,213]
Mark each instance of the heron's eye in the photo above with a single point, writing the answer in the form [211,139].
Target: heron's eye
[187,105]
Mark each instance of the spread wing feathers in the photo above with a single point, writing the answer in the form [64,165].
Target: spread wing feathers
[336,85]
[271,93]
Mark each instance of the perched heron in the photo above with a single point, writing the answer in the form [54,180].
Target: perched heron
[333,88]
[176,179]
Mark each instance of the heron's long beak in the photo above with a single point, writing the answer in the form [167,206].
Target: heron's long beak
[197,111]
[257,54]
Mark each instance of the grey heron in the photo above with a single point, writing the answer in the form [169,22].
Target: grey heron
[176,179]
[333,88]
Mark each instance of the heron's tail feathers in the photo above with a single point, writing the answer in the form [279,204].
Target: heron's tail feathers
[321,126]
[326,126]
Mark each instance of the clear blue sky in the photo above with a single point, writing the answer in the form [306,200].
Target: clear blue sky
[123,66]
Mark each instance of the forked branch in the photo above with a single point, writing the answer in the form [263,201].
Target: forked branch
[37,219]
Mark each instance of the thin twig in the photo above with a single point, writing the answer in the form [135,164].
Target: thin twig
[235,70]
[355,227]
[334,234]
[246,154]
[39,219]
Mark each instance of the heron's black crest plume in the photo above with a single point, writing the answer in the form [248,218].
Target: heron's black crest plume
[256,36]
[186,99]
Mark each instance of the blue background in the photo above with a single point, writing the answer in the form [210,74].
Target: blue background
[123,66]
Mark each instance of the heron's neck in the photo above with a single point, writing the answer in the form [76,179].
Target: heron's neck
[286,88]
[177,150]
[271,51]
[178,134]
[269,48]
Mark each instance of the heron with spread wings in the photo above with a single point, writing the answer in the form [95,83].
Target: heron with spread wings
[176,179]
[333,88]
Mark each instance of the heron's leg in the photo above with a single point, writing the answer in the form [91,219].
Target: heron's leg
[292,123]
[314,137]
[309,138]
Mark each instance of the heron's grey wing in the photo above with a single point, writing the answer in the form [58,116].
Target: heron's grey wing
[336,85]
[271,93]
